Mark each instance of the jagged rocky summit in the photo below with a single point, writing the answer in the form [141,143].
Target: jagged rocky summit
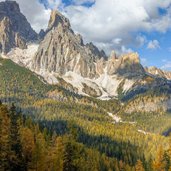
[15,31]
[61,56]
[158,72]
[62,51]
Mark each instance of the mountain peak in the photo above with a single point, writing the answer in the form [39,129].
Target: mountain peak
[15,31]
[132,57]
[96,51]
[113,55]
[9,6]
[62,51]
[57,18]
[158,72]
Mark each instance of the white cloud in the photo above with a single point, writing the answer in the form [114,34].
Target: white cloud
[54,3]
[36,13]
[119,48]
[167,65]
[117,41]
[144,61]
[153,44]
[140,40]
[110,24]
[109,20]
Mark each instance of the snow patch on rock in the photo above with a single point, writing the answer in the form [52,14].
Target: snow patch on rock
[116,118]
[51,78]
[22,56]
[143,132]
[128,84]
[76,80]
[109,83]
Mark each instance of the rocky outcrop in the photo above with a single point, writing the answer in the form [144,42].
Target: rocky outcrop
[158,72]
[62,50]
[15,31]
[94,50]
[63,54]
[126,65]
[42,33]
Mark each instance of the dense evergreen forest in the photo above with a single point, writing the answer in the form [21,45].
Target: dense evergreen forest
[52,128]
[25,145]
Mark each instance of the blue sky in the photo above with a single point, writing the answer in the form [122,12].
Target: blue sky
[124,26]
[159,56]
[87,3]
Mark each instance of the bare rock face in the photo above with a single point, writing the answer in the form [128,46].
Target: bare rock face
[15,30]
[93,49]
[41,34]
[128,65]
[62,50]
[63,54]
[167,75]
[158,72]
[113,55]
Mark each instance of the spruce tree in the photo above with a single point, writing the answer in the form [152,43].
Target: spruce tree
[139,166]
[4,138]
[15,140]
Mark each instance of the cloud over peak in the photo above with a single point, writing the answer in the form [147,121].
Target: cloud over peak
[108,20]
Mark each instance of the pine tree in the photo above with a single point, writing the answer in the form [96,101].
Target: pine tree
[15,140]
[69,155]
[139,166]
[39,154]
[166,160]
[28,146]
[4,138]
[159,163]
[58,154]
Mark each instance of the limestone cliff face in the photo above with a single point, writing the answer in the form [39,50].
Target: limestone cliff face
[158,72]
[125,65]
[62,50]
[15,30]
[62,53]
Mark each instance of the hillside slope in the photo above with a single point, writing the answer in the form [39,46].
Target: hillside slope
[55,107]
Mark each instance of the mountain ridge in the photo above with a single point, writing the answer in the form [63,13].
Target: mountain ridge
[61,54]
[15,29]
[158,72]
